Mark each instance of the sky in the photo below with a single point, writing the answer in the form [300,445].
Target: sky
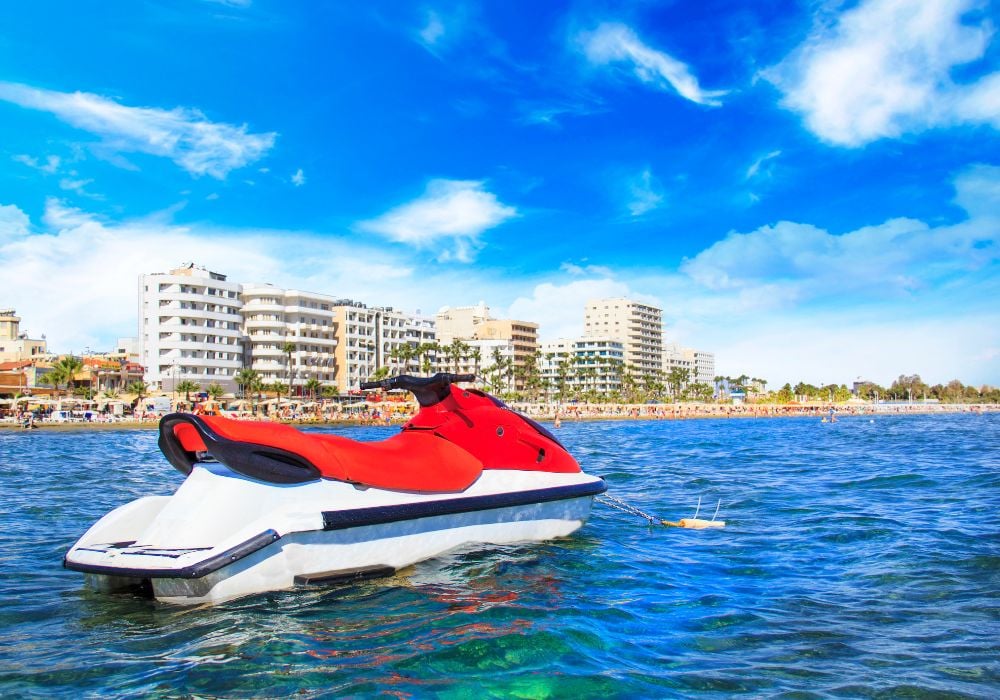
[810,190]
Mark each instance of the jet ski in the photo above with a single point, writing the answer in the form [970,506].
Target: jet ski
[266,507]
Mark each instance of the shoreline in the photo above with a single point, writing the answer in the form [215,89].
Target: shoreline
[590,413]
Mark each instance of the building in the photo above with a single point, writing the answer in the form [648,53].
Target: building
[190,328]
[703,366]
[677,358]
[638,327]
[421,336]
[392,346]
[583,365]
[289,335]
[15,345]
[522,335]
[354,330]
[490,341]
[459,322]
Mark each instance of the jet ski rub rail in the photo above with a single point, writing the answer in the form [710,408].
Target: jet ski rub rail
[381,515]
[418,461]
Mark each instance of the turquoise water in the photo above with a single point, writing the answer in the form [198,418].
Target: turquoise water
[861,559]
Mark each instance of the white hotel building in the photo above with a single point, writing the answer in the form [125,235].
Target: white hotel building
[273,317]
[189,328]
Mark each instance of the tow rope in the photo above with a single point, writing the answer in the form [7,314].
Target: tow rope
[694,523]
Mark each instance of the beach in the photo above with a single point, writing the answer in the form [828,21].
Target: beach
[401,412]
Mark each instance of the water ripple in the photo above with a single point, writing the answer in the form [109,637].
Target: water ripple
[860,559]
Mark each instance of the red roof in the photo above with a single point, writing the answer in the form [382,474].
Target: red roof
[16,364]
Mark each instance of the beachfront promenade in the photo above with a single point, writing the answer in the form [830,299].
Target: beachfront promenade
[390,413]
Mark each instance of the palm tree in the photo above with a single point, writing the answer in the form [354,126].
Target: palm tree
[64,371]
[313,386]
[424,351]
[477,357]
[137,388]
[677,378]
[215,390]
[187,386]
[328,391]
[496,369]
[456,350]
[288,348]
[245,378]
[379,374]
[277,388]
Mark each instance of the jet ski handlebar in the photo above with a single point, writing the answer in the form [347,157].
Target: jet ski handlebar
[427,390]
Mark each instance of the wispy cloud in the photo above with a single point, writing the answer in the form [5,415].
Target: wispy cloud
[76,184]
[183,135]
[231,3]
[432,31]
[542,114]
[457,211]
[885,69]
[299,178]
[613,43]
[758,167]
[49,167]
[645,193]
[577,270]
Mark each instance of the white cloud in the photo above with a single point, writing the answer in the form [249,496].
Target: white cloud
[793,301]
[14,223]
[828,347]
[584,270]
[75,185]
[458,211]
[183,135]
[616,43]
[433,30]
[299,178]
[885,69]
[645,193]
[50,166]
[558,308]
[760,166]
[75,280]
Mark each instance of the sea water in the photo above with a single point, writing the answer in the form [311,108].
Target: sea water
[859,559]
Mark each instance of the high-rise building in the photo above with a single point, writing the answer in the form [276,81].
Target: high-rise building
[189,328]
[638,326]
[288,324]
[354,329]
[421,336]
[391,339]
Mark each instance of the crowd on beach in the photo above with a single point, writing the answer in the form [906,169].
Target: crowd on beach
[393,412]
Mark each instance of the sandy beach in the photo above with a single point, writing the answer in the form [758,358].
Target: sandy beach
[566,413]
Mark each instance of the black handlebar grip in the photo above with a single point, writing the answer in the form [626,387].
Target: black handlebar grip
[427,390]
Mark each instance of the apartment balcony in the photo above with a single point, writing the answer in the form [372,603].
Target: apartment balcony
[266,352]
[259,306]
[253,324]
[199,346]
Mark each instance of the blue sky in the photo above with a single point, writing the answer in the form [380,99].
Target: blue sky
[810,190]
